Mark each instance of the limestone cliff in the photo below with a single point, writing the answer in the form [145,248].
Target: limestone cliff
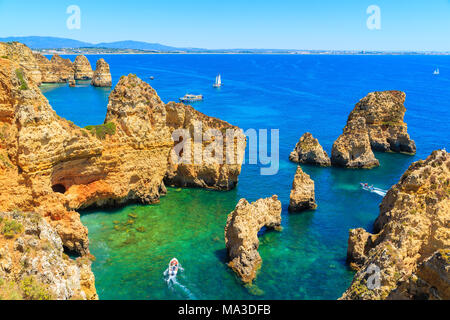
[241,234]
[308,150]
[352,149]
[431,280]
[33,265]
[384,113]
[23,56]
[102,75]
[82,68]
[57,70]
[410,234]
[302,193]
[50,166]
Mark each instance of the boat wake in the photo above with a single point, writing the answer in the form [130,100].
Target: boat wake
[380,192]
[373,189]
[174,285]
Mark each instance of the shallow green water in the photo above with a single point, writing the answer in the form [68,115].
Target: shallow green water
[305,261]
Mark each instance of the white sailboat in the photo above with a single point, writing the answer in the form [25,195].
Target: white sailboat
[436,72]
[218,82]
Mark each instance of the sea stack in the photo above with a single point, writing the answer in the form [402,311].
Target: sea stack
[309,151]
[241,234]
[411,244]
[102,74]
[352,149]
[82,68]
[302,193]
[384,112]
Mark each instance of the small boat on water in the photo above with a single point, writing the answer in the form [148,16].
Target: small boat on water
[366,187]
[218,82]
[173,267]
[436,72]
[152,78]
[191,98]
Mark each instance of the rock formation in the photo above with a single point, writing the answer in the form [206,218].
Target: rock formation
[308,150]
[412,237]
[302,193]
[56,70]
[431,280]
[102,75]
[33,264]
[384,113]
[52,167]
[352,149]
[42,70]
[22,55]
[82,68]
[241,234]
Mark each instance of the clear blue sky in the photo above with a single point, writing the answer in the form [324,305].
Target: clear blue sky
[287,24]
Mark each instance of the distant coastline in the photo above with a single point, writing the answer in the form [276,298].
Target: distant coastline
[65,46]
[342,53]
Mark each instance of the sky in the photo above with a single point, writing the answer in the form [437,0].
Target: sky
[422,25]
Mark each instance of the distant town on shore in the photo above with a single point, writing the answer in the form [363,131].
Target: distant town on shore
[55,45]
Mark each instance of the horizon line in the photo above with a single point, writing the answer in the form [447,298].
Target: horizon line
[222,49]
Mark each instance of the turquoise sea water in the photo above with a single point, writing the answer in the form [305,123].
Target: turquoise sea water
[295,94]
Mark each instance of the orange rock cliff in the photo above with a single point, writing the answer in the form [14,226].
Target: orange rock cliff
[50,166]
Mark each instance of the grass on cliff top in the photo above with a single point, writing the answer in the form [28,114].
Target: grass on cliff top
[26,289]
[100,131]
[23,83]
[10,228]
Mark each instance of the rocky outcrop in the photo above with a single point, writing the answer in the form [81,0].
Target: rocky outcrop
[309,151]
[302,193]
[82,68]
[241,234]
[384,113]
[33,265]
[411,239]
[431,280]
[50,166]
[23,56]
[57,70]
[102,75]
[352,149]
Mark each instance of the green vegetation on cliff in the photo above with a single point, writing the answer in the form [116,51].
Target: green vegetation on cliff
[23,83]
[100,131]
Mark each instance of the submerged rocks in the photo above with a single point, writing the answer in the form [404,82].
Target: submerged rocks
[102,74]
[302,193]
[384,113]
[352,149]
[414,224]
[82,68]
[241,234]
[33,265]
[308,150]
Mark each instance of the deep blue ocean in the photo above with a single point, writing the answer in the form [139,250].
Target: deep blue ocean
[292,93]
